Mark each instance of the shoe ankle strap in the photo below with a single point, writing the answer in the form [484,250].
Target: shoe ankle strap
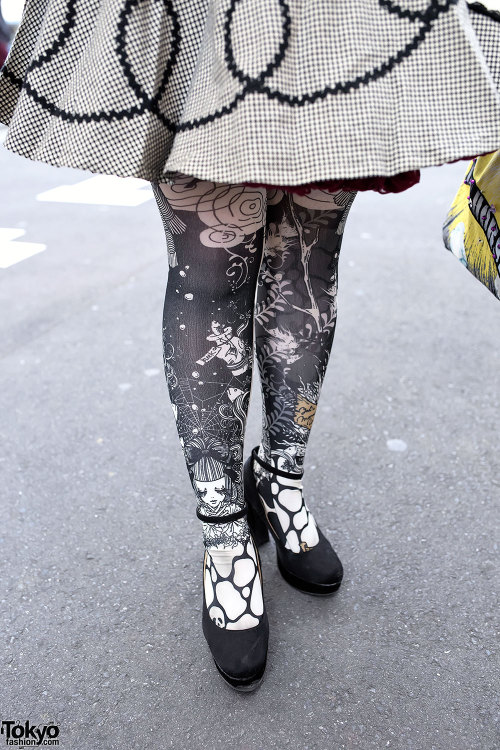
[272,469]
[222,519]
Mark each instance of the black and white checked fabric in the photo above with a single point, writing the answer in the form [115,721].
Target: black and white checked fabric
[282,92]
[486,24]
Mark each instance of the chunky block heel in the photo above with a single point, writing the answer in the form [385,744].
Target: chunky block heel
[256,516]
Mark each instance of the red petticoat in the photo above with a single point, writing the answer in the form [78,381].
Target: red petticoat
[395,184]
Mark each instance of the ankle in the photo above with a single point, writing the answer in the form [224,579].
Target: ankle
[290,459]
[226,536]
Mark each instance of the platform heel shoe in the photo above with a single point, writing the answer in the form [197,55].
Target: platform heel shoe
[239,655]
[314,570]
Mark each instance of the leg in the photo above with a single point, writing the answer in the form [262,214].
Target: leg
[295,318]
[214,235]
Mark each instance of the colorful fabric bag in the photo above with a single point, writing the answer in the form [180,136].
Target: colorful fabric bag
[471,229]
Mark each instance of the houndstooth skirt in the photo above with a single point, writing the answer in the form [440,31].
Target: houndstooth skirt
[275,92]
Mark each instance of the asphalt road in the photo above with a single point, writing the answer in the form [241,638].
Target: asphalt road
[101,550]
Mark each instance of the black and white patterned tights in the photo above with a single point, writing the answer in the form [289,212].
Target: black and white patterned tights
[245,259]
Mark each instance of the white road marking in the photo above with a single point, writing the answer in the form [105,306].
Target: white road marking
[12,10]
[12,251]
[492,4]
[104,190]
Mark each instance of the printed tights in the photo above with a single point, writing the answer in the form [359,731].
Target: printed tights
[247,266]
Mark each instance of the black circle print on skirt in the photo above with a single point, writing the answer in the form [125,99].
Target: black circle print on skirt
[416,16]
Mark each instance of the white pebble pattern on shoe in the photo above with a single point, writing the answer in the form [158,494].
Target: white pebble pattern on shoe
[286,509]
[233,591]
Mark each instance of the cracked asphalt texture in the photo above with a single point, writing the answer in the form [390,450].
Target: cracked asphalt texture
[101,551]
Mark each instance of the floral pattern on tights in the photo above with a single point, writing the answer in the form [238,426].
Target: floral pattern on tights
[243,259]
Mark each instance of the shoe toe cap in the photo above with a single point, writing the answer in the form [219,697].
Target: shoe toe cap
[318,565]
[240,655]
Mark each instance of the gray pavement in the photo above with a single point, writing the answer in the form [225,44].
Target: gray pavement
[101,550]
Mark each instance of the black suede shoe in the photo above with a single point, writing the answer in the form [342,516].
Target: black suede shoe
[315,570]
[239,655]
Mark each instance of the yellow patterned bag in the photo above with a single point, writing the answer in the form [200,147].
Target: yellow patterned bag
[471,229]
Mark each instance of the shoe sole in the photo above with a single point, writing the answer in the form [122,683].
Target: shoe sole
[242,687]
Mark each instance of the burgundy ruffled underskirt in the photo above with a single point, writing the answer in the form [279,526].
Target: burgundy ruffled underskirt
[395,184]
